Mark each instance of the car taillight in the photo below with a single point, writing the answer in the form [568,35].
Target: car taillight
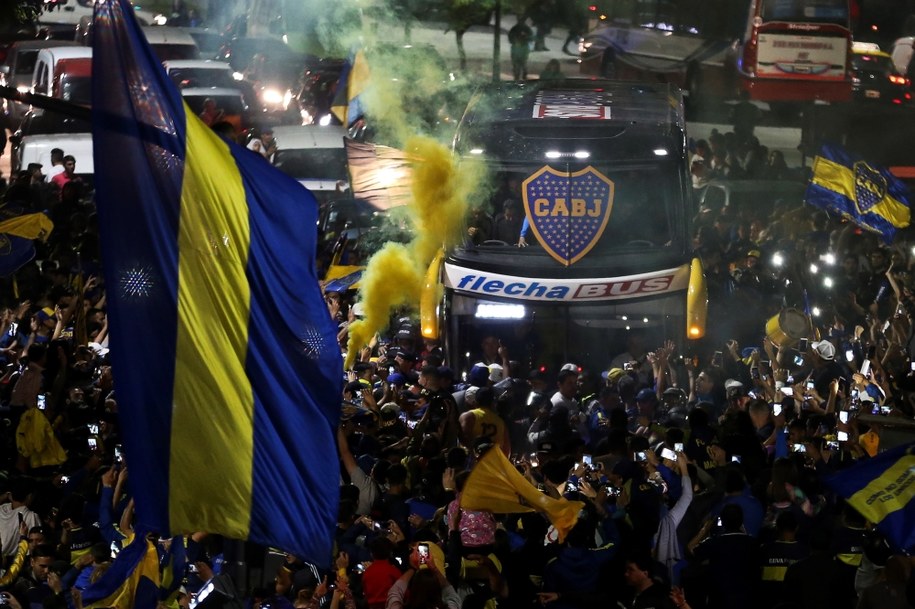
[898,80]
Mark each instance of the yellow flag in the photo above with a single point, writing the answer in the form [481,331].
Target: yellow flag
[496,486]
[28,226]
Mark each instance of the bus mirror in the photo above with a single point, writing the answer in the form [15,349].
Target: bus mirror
[696,302]
[430,297]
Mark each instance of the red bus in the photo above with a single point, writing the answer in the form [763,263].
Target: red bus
[775,50]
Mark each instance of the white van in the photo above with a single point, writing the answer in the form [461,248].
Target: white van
[312,154]
[49,64]
[37,149]
[171,43]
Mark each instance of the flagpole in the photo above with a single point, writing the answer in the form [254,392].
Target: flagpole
[47,103]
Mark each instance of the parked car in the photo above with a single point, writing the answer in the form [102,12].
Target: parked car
[314,155]
[230,101]
[17,72]
[63,69]
[208,40]
[196,73]
[875,78]
[37,129]
[171,43]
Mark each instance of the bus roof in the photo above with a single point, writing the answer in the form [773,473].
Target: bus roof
[533,117]
[587,100]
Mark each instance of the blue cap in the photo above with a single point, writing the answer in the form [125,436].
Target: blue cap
[479,376]
[646,395]
[397,378]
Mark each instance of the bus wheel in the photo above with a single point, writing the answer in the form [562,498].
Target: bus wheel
[608,65]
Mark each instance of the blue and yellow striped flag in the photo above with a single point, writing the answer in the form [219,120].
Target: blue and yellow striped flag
[882,489]
[868,195]
[132,580]
[354,78]
[226,358]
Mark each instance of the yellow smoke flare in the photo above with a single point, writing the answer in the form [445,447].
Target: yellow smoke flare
[393,277]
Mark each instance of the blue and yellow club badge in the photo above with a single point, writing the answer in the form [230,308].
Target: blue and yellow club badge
[568,212]
[870,186]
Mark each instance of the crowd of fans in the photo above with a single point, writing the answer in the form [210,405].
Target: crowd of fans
[701,467]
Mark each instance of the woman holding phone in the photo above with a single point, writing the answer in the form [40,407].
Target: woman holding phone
[423,585]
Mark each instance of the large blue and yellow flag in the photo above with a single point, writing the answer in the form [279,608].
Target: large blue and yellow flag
[347,103]
[132,580]
[868,195]
[226,358]
[882,489]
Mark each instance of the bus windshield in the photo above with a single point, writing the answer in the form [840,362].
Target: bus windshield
[640,205]
[806,11]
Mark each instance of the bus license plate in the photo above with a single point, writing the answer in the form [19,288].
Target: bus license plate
[872,94]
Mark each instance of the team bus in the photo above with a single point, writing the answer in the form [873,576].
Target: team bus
[600,171]
[778,51]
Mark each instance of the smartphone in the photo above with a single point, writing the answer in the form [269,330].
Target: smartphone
[64,479]
[586,459]
[843,416]
[885,410]
[14,328]
[534,460]
[809,385]
[719,523]
[627,366]
[411,424]
[718,359]
[798,360]
[93,428]
[118,457]
[668,454]
[842,436]
[913,366]
[776,409]
[93,444]
[886,326]
[789,391]
[736,458]
[678,447]
[802,345]
[865,368]
[849,354]
[832,445]
[641,456]
[613,491]
[799,448]
[42,401]
[754,373]
[422,551]
[360,568]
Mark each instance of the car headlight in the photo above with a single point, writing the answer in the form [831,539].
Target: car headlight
[272,96]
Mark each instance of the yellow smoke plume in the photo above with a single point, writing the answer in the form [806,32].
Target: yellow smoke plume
[393,277]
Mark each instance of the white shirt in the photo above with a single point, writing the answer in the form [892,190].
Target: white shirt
[9,526]
[53,171]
